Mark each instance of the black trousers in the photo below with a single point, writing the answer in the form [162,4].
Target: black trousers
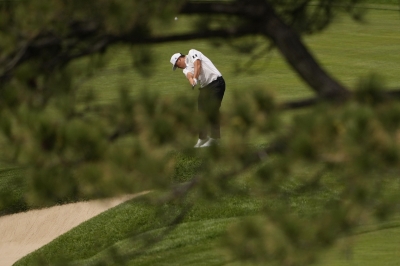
[209,103]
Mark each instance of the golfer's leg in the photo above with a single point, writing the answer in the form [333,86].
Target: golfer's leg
[214,119]
[202,108]
[215,125]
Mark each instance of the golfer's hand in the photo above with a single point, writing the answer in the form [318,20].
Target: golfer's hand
[194,82]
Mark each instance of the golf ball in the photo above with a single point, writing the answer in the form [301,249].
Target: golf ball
[176,18]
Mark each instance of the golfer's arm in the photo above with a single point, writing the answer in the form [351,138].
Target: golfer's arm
[197,69]
[190,77]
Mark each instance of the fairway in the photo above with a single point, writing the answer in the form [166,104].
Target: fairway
[348,51]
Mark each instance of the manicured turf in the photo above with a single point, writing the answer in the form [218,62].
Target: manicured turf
[372,247]
[348,50]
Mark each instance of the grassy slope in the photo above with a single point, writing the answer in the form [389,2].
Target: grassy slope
[134,217]
[347,50]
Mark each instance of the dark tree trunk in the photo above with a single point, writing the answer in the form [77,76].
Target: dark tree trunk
[297,55]
[264,20]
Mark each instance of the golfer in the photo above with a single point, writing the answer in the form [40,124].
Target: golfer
[199,70]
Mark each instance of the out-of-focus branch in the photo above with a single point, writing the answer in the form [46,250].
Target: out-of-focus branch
[299,103]
[47,47]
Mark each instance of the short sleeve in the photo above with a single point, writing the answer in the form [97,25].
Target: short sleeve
[195,55]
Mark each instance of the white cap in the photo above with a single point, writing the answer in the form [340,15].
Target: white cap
[173,60]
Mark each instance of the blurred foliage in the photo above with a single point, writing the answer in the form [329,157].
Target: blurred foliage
[356,144]
[72,148]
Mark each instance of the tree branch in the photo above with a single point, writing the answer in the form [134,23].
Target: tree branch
[42,47]
[394,93]
[299,103]
[262,14]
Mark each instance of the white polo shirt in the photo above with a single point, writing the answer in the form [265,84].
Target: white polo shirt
[208,72]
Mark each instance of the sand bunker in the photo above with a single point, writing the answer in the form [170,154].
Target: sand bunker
[23,233]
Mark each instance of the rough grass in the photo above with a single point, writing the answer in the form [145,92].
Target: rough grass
[12,187]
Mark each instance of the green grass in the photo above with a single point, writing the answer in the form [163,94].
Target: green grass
[372,247]
[348,50]
[12,187]
[384,2]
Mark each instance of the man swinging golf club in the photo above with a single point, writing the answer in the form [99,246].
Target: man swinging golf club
[198,69]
